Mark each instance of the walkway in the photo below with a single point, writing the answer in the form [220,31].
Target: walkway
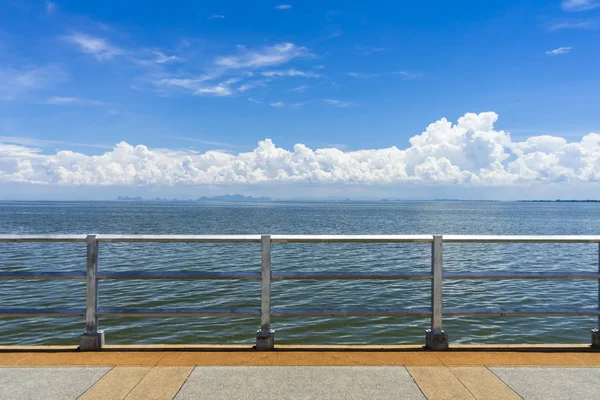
[290,373]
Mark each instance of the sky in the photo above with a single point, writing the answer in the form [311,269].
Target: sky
[464,99]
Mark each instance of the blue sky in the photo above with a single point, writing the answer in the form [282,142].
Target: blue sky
[80,77]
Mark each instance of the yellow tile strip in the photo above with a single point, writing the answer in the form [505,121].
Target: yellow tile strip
[300,357]
[161,383]
[483,384]
[116,384]
[438,383]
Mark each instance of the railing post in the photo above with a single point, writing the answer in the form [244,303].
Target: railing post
[265,337]
[436,338]
[92,339]
[596,331]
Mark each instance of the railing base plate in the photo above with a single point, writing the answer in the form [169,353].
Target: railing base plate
[265,340]
[436,340]
[91,342]
[596,338]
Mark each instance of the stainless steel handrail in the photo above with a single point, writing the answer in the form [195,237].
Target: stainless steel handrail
[436,338]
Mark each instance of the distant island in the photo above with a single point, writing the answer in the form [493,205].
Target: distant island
[558,201]
[227,197]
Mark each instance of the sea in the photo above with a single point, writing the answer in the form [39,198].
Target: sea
[331,217]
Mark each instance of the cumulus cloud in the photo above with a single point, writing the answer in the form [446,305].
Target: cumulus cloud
[470,152]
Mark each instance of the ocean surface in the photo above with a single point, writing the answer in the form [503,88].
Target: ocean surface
[300,218]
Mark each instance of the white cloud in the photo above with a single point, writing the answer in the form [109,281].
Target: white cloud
[98,47]
[367,50]
[301,88]
[25,141]
[277,104]
[50,7]
[161,58]
[580,5]
[251,85]
[215,16]
[283,7]
[197,86]
[290,72]
[407,75]
[559,51]
[268,56]
[468,153]
[338,103]
[16,82]
[57,100]
[585,24]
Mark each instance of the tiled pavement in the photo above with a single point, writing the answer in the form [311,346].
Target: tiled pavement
[300,375]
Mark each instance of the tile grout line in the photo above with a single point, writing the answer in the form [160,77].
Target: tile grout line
[95,383]
[185,381]
[416,383]
[502,380]
[461,382]
[136,385]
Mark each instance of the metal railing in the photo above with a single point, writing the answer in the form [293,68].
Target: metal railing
[436,338]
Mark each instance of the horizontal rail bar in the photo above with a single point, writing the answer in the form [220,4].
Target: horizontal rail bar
[351,238]
[41,275]
[181,238]
[174,275]
[41,312]
[521,312]
[521,239]
[351,276]
[177,312]
[43,238]
[495,275]
[402,312]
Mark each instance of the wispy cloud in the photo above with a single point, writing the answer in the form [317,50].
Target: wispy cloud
[15,82]
[251,85]
[268,56]
[198,87]
[277,104]
[290,72]
[299,104]
[215,16]
[50,7]
[336,33]
[588,24]
[559,51]
[338,103]
[62,101]
[580,5]
[199,140]
[25,141]
[98,47]
[253,100]
[283,7]
[367,50]
[404,74]
[301,88]
[161,58]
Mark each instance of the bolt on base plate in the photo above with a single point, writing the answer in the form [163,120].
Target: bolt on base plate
[436,340]
[265,340]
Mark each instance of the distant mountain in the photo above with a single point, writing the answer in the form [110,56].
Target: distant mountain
[233,197]
[127,198]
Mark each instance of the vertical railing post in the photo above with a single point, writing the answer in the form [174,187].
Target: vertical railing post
[436,338]
[596,330]
[265,337]
[92,339]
